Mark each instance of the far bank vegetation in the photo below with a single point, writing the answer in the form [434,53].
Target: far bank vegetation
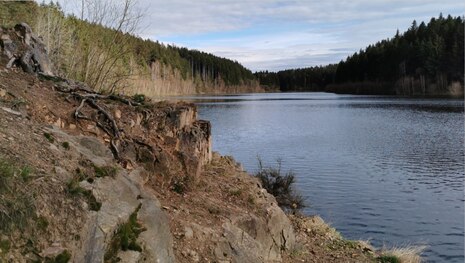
[426,59]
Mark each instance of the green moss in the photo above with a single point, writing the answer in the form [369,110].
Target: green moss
[388,259]
[125,238]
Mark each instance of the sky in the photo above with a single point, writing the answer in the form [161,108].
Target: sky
[277,34]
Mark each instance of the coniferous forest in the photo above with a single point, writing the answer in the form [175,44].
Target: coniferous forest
[427,59]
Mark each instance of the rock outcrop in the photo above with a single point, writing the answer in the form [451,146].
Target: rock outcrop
[23,48]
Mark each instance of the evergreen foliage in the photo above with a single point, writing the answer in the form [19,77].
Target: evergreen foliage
[433,51]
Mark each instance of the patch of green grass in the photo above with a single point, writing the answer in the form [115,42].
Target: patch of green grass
[49,137]
[5,246]
[16,200]
[65,145]
[103,171]
[125,238]
[42,223]
[73,188]
[388,259]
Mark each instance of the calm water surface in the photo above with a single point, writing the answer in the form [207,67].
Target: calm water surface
[386,169]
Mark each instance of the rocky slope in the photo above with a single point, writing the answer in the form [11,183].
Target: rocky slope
[88,177]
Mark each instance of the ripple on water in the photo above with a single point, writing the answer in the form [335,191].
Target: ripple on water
[375,167]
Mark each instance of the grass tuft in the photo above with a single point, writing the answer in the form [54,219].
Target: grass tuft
[125,238]
[103,171]
[73,188]
[388,259]
[408,254]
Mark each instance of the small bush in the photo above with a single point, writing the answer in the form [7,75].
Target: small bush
[280,186]
[65,145]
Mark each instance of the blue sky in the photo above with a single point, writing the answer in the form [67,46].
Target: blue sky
[277,34]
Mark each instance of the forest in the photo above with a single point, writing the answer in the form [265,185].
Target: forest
[426,59]
[109,56]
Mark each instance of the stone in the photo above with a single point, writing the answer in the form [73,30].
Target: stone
[188,232]
[52,251]
[129,256]
[189,253]
[117,114]
[29,53]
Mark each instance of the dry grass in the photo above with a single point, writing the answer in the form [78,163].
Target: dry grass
[407,254]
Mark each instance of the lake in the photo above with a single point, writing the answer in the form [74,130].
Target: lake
[385,169]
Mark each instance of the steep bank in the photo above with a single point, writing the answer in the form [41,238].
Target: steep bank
[93,177]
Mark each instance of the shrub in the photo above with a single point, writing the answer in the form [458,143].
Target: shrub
[65,145]
[280,186]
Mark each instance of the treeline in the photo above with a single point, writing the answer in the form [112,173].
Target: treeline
[111,58]
[302,79]
[427,59]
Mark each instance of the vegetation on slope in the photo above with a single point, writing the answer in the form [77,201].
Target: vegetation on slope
[430,53]
[107,56]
